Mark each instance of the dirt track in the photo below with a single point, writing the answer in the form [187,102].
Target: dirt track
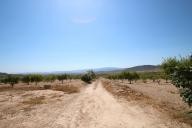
[94,107]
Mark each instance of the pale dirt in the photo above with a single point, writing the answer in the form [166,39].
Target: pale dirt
[93,107]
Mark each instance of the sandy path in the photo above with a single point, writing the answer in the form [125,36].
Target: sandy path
[96,108]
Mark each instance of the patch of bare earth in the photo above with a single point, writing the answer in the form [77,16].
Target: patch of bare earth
[164,98]
[33,106]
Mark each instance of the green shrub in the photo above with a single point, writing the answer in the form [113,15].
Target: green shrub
[180,73]
[88,77]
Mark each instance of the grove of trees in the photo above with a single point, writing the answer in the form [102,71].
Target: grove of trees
[13,79]
[134,76]
[125,76]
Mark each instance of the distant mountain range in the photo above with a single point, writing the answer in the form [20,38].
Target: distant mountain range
[97,70]
[141,68]
[2,74]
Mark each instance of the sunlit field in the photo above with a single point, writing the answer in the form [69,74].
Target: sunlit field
[95,63]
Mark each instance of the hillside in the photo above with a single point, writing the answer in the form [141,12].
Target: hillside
[1,73]
[141,68]
[144,68]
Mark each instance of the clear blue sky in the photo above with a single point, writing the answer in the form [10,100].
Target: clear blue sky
[57,35]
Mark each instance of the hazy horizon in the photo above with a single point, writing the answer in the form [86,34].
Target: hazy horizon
[65,35]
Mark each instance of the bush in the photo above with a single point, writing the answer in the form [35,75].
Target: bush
[180,73]
[88,77]
[91,74]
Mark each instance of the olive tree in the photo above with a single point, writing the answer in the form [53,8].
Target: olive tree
[50,78]
[36,78]
[62,77]
[129,76]
[135,76]
[26,79]
[11,79]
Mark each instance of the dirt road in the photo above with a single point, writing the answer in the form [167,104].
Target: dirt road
[94,107]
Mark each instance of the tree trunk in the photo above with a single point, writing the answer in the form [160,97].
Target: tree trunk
[166,80]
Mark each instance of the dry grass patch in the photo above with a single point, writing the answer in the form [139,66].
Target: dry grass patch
[20,88]
[56,96]
[124,91]
[67,88]
[1,117]
[27,95]
[35,101]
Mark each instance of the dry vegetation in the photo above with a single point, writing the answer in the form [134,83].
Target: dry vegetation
[68,89]
[123,91]
[35,101]
[19,88]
